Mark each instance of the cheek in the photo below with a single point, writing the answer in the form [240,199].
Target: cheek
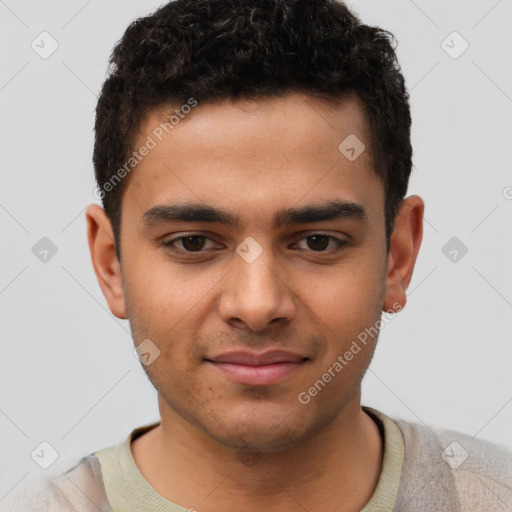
[346,306]
[169,305]
[346,294]
[164,293]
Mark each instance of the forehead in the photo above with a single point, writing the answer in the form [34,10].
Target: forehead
[255,156]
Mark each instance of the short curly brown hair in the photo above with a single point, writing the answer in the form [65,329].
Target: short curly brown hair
[217,49]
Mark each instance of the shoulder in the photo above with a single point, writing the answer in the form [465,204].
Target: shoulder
[471,473]
[79,489]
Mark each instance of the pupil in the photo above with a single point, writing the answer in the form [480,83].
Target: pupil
[316,237]
[193,247]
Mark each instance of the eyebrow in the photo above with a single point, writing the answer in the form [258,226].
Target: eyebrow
[197,212]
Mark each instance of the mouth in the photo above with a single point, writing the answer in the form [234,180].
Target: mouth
[253,369]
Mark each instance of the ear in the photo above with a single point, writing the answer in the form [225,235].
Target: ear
[405,243]
[100,236]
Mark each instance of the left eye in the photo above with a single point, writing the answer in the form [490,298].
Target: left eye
[321,241]
[195,243]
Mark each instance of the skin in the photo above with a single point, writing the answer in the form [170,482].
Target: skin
[222,445]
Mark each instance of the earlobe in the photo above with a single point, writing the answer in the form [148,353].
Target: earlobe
[404,246]
[106,266]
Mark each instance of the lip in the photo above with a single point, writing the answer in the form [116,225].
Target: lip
[257,359]
[253,369]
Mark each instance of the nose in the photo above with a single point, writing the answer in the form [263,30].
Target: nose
[256,294]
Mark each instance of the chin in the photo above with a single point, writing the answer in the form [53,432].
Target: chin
[257,431]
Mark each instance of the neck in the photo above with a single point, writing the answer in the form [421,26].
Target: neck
[337,468]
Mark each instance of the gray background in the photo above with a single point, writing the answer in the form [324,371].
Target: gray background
[68,373]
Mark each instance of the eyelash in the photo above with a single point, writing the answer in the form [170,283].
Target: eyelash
[340,243]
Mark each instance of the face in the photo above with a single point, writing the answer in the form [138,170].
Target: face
[251,307]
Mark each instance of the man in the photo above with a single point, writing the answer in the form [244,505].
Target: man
[253,159]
